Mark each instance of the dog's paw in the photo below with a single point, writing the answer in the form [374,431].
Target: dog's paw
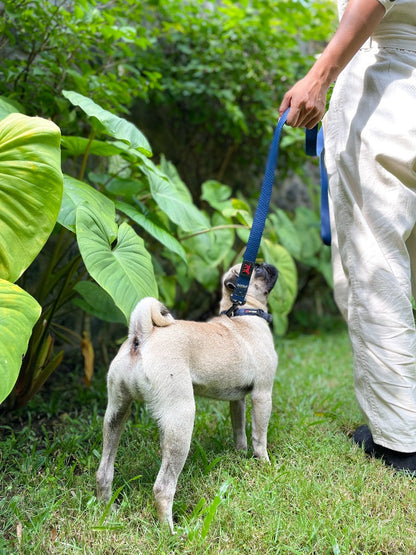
[262,457]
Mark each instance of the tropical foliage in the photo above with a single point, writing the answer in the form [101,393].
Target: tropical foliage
[122,223]
[30,192]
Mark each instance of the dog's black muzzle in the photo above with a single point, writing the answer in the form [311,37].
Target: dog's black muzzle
[268,272]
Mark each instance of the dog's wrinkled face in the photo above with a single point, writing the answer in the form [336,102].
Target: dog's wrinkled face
[262,281]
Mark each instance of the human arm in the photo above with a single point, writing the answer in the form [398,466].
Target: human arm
[307,98]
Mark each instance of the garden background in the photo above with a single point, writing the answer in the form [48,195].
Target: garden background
[133,140]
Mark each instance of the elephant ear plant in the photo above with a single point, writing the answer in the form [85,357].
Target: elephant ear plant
[94,258]
[90,252]
[30,199]
[88,239]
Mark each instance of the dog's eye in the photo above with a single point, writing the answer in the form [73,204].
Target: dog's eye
[230,285]
[136,343]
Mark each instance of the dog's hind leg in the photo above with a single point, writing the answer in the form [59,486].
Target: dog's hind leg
[260,416]
[176,425]
[238,421]
[118,409]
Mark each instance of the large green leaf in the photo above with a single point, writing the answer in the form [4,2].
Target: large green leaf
[212,247]
[170,192]
[98,302]
[123,187]
[152,227]
[217,195]
[116,127]
[77,146]
[30,189]
[175,202]
[307,225]
[287,233]
[77,193]
[18,314]
[169,171]
[284,292]
[125,271]
[8,106]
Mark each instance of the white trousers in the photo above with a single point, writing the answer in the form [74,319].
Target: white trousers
[370,153]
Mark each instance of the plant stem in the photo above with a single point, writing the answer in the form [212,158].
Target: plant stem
[215,228]
[85,157]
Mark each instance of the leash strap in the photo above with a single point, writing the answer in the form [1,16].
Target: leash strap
[238,296]
[314,146]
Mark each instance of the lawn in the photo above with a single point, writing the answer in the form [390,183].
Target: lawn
[319,495]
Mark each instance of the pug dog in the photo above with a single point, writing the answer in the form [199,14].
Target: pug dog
[166,362]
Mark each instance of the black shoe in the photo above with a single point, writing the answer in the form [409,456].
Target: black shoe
[396,459]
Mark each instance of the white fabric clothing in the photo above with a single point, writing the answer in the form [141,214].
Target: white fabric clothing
[397,28]
[342,4]
[370,154]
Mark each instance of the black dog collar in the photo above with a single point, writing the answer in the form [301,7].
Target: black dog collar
[250,312]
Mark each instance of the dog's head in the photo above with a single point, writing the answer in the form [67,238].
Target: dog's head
[262,281]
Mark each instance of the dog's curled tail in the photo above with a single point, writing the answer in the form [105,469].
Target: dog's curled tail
[149,312]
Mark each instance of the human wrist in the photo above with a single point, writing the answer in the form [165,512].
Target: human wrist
[323,75]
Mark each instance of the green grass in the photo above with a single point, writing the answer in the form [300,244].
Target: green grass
[319,495]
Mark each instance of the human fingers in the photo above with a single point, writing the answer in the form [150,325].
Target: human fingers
[295,116]
[311,117]
[285,104]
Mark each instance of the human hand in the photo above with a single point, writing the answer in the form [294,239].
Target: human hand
[307,102]
[307,98]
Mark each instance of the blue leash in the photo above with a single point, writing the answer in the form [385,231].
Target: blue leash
[314,146]
[238,296]
[314,142]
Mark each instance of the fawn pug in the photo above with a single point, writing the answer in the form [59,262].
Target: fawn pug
[165,362]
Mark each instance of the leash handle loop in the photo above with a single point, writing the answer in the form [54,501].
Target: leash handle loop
[314,146]
[238,296]
[325,221]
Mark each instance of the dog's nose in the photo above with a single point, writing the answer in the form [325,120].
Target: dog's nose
[268,272]
[262,268]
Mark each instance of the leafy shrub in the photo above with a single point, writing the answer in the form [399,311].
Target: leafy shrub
[224,68]
[85,45]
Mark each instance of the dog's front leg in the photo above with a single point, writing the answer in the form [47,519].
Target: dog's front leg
[176,425]
[115,417]
[262,408]
[238,421]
